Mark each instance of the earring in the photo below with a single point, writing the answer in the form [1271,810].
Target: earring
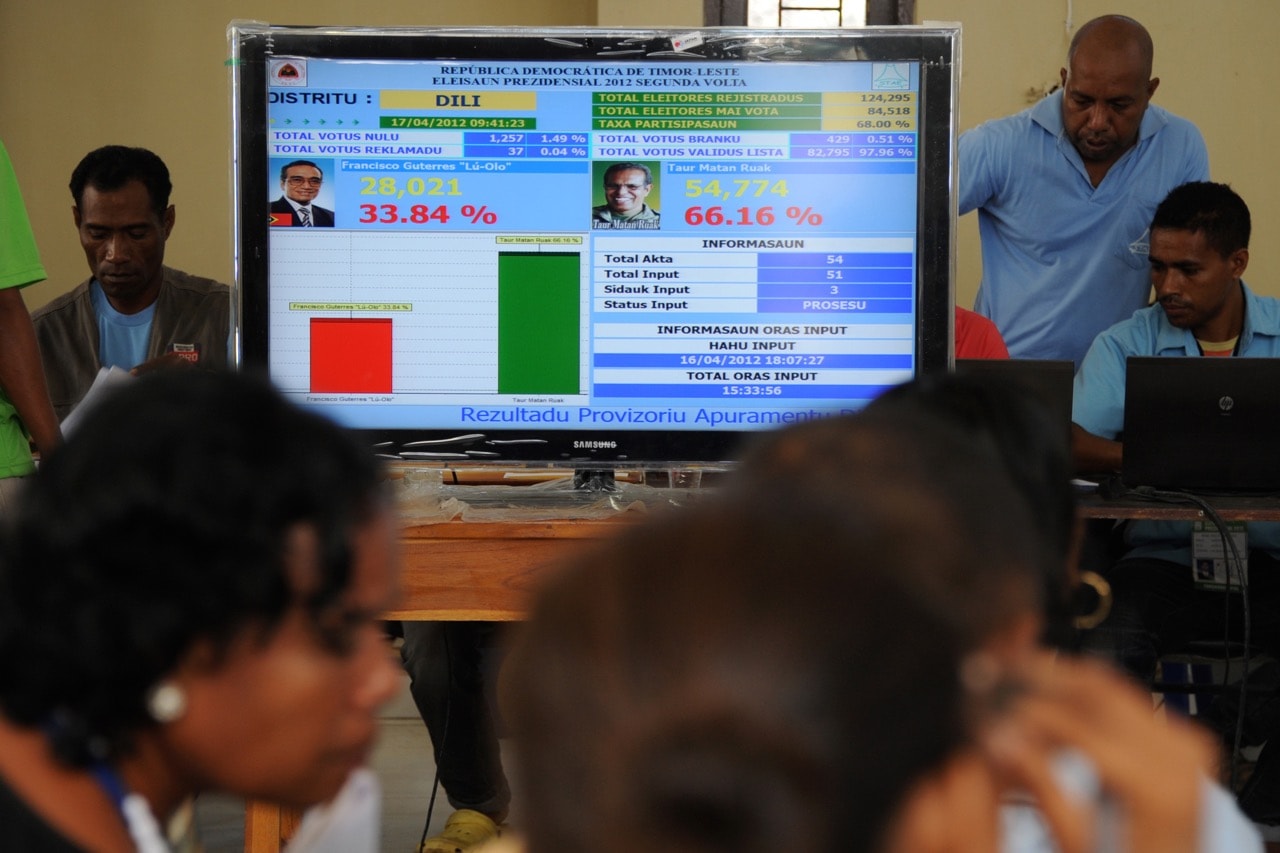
[166,702]
[1102,590]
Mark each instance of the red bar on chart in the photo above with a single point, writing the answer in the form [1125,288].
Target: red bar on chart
[350,356]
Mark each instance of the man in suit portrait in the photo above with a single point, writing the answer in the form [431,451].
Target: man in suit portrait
[300,182]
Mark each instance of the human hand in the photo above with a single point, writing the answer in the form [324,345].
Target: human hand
[953,809]
[1150,770]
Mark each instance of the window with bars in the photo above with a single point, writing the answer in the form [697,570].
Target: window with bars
[809,14]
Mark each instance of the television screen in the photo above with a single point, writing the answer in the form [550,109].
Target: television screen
[592,248]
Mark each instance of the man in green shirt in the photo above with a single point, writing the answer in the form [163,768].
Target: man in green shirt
[24,400]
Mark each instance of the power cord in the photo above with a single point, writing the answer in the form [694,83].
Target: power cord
[444,740]
[1232,555]
[431,806]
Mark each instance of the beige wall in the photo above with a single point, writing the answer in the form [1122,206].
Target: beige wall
[1216,64]
[76,74]
[651,13]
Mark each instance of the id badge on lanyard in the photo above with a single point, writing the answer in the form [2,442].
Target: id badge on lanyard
[1210,555]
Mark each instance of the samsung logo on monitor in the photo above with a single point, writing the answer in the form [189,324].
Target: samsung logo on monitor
[595,445]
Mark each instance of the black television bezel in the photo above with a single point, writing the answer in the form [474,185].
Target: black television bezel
[252,44]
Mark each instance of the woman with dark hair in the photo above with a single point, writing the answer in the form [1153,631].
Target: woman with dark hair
[780,669]
[838,654]
[702,697]
[189,600]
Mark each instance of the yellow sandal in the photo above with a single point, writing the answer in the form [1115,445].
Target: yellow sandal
[465,830]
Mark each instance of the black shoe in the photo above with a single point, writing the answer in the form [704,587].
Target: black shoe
[1260,797]
[1262,707]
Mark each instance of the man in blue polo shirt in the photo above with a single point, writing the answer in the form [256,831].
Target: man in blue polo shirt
[1199,251]
[1065,190]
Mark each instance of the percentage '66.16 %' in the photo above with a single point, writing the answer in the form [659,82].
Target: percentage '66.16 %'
[717,215]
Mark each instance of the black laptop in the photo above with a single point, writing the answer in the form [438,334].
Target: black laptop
[1202,424]
[1048,379]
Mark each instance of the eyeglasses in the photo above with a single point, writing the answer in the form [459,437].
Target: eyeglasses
[298,180]
[619,187]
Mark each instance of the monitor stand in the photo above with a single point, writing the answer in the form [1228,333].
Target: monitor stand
[594,480]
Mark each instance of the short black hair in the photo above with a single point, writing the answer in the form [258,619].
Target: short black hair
[160,524]
[623,167]
[284,170]
[852,460]
[1032,449]
[112,166]
[1213,209]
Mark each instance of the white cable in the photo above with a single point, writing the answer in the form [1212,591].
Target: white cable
[143,829]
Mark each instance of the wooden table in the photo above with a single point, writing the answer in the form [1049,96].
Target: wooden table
[458,570]
[484,570]
[1229,508]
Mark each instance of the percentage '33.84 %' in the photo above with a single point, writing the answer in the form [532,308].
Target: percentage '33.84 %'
[422,214]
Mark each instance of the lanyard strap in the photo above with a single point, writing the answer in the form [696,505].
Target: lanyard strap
[133,809]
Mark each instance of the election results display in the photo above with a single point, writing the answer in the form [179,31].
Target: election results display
[588,246]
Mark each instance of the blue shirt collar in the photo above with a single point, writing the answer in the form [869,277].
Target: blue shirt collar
[104,309]
[1259,319]
[1048,114]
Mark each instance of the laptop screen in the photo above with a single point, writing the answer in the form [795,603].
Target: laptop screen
[1210,424]
[1048,379]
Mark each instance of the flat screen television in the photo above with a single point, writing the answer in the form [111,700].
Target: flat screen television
[586,247]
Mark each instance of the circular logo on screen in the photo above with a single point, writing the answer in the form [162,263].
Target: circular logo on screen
[288,72]
[1225,404]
